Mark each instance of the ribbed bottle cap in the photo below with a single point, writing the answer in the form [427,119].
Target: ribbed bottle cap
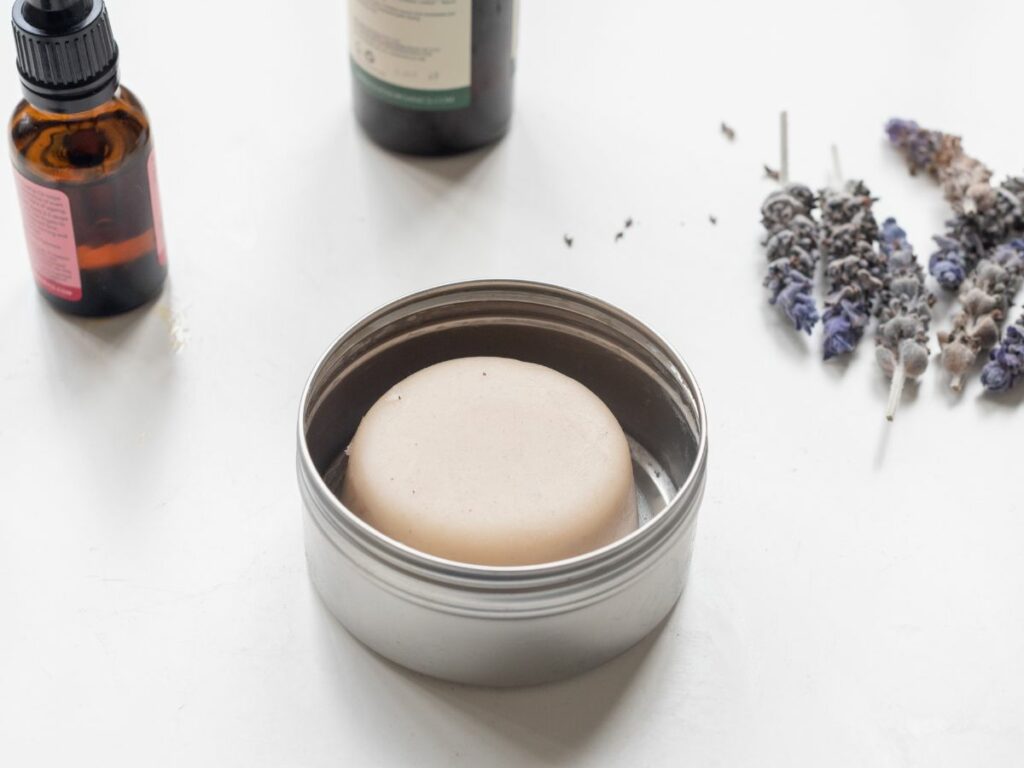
[67,57]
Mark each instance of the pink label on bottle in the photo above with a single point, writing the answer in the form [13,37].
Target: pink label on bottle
[50,234]
[158,217]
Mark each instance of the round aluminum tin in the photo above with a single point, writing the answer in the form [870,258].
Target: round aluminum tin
[519,625]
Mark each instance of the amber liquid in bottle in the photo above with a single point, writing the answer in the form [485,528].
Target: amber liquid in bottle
[101,160]
[442,132]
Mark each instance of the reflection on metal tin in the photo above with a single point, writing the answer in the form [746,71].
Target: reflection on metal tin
[518,625]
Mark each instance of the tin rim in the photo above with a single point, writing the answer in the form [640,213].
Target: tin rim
[617,559]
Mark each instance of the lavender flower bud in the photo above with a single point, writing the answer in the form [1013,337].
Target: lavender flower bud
[1006,362]
[782,205]
[791,290]
[915,357]
[844,325]
[918,146]
[957,358]
[948,264]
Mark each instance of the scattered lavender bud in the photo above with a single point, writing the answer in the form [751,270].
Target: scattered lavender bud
[854,267]
[713,220]
[903,312]
[792,250]
[618,236]
[729,132]
[568,241]
[1006,362]
[984,299]
[771,173]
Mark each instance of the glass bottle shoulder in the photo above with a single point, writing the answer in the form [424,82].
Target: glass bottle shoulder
[78,148]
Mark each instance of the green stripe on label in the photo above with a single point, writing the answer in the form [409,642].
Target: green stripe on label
[412,98]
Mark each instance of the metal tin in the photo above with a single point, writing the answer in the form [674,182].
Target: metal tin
[517,625]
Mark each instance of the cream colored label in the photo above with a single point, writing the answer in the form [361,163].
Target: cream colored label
[413,46]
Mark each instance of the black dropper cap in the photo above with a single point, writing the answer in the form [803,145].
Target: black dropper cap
[67,57]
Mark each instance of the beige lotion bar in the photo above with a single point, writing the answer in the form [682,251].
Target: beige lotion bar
[492,461]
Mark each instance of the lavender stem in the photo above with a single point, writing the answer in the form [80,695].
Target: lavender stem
[899,377]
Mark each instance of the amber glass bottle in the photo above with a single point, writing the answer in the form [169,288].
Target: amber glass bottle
[86,172]
[433,78]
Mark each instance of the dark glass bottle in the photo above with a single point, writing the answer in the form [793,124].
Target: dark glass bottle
[86,172]
[433,79]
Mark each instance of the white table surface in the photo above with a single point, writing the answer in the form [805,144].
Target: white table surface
[857,595]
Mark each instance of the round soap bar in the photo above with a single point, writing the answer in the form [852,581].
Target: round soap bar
[492,461]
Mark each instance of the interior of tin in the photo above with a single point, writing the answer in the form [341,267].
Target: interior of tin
[617,358]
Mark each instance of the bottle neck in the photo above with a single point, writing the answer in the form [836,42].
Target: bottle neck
[70,102]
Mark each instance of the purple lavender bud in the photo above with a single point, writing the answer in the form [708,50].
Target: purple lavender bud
[899,129]
[1006,362]
[893,237]
[971,237]
[995,378]
[1008,253]
[844,325]
[948,265]
[791,290]
[918,146]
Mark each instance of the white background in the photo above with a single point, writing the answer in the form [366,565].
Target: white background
[857,596]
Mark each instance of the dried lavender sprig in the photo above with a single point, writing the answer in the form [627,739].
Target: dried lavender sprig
[984,298]
[965,180]
[985,216]
[904,312]
[854,267]
[792,249]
